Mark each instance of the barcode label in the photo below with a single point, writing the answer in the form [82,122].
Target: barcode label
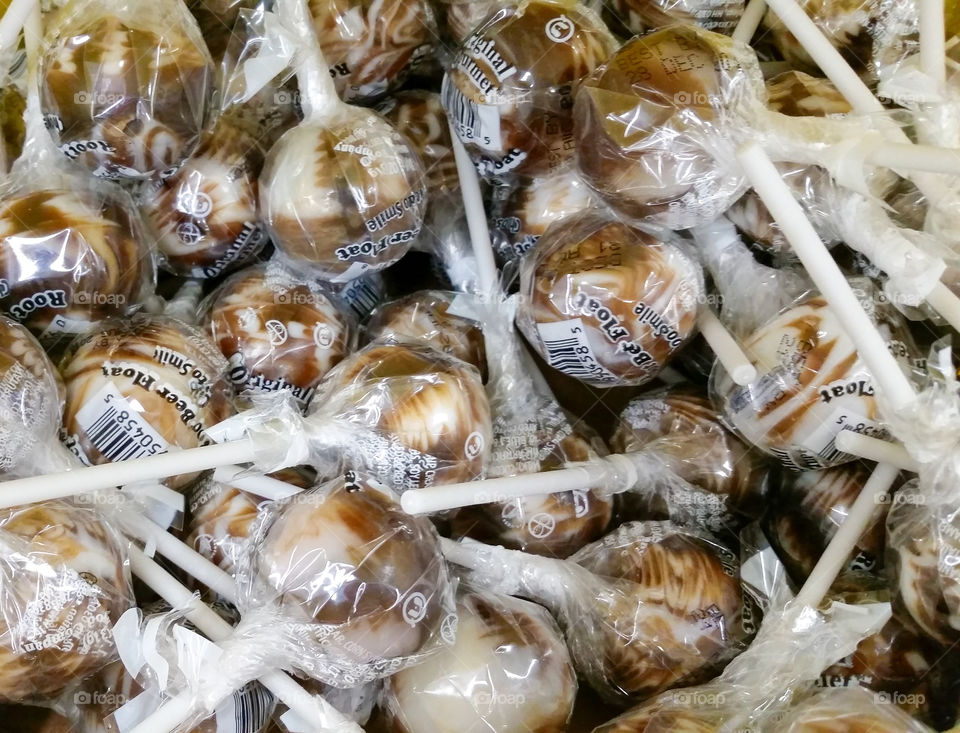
[246,711]
[475,123]
[116,430]
[569,351]
[822,442]
[362,296]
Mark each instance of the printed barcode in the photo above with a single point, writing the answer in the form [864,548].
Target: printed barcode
[562,355]
[362,297]
[477,123]
[252,707]
[465,115]
[830,453]
[115,441]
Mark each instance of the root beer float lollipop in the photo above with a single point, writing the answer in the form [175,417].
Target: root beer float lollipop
[127,85]
[509,90]
[278,331]
[342,193]
[140,387]
[608,303]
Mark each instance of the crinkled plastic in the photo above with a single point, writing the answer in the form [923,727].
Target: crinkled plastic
[461,17]
[370,45]
[126,85]
[639,16]
[411,415]
[724,482]
[531,433]
[141,387]
[812,385]
[64,581]
[278,331]
[850,709]
[649,607]
[509,90]
[608,303]
[342,193]
[217,20]
[427,316]
[507,670]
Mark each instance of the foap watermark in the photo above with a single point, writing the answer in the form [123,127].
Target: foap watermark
[689,98]
[913,498]
[100,498]
[95,297]
[100,99]
[111,700]
[284,98]
[699,698]
[489,699]
[298,297]
[905,699]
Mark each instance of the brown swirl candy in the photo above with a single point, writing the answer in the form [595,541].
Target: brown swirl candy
[70,258]
[461,17]
[422,417]
[424,316]
[64,586]
[278,331]
[811,386]
[346,555]
[608,303]
[371,44]
[509,91]
[343,198]
[644,118]
[507,670]
[847,710]
[640,16]
[140,387]
[12,129]
[128,85]
[205,216]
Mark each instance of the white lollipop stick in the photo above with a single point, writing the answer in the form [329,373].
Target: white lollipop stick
[825,274]
[108,475]
[750,21]
[613,473]
[726,348]
[874,449]
[263,486]
[933,50]
[909,157]
[13,21]
[308,707]
[945,302]
[830,564]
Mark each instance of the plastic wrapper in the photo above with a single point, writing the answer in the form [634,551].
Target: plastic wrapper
[411,415]
[371,45]
[64,584]
[426,316]
[530,435]
[278,331]
[521,217]
[725,482]
[509,90]
[639,16]
[608,303]
[217,19]
[116,123]
[850,710]
[342,193]
[806,510]
[508,671]
[205,215]
[141,387]
[811,385]
[462,17]
[649,607]
[12,132]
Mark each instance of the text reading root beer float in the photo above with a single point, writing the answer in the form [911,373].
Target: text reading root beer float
[127,83]
[509,92]
[278,332]
[139,387]
[608,303]
[812,384]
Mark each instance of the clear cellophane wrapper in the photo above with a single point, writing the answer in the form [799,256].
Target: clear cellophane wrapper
[31,397]
[13,103]
[337,584]
[852,709]
[278,330]
[529,436]
[118,124]
[649,607]
[811,384]
[606,302]
[722,482]
[639,16]
[508,669]
[509,89]
[65,581]
[141,387]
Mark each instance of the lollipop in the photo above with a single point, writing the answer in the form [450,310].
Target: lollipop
[277,331]
[812,384]
[127,85]
[64,585]
[607,303]
[682,428]
[205,215]
[424,316]
[12,105]
[140,387]
[461,17]
[508,671]
[509,91]
[847,710]
[415,416]
[371,45]
[640,16]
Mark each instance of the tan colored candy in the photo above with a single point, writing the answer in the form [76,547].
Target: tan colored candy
[847,710]
[641,16]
